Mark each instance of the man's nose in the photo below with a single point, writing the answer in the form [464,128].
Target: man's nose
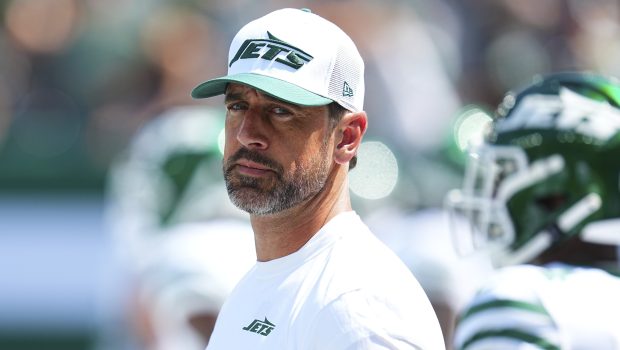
[251,130]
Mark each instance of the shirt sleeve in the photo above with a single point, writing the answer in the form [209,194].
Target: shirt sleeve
[357,321]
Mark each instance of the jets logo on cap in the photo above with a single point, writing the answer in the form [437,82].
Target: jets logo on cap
[272,49]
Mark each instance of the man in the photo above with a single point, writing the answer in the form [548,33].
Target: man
[543,190]
[294,98]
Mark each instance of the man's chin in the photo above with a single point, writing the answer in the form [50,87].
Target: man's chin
[246,198]
[252,208]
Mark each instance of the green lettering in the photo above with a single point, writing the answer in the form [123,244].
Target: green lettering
[257,325]
[274,50]
[251,51]
[240,51]
[266,330]
[251,47]
[253,324]
[292,60]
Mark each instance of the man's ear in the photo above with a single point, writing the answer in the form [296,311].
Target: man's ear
[351,129]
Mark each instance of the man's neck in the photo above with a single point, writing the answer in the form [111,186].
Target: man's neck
[286,232]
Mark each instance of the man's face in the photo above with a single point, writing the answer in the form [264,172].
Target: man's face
[276,154]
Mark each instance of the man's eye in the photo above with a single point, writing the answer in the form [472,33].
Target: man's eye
[281,111]
[235,107]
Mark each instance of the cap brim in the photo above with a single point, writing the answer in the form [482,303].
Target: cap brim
[277,88]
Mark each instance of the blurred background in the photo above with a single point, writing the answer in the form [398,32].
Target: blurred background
[80,80]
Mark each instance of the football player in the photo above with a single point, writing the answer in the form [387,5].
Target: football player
[542,196]
[182,243]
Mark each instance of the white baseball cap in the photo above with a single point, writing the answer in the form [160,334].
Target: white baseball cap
[295,56]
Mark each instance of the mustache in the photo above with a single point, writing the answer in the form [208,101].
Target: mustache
[244,153]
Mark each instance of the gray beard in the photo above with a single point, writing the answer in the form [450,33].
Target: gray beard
[260,197]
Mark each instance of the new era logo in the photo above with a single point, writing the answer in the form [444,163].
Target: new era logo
[260,327]
[346,90]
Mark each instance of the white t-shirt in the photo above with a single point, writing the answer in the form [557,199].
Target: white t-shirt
[557,307]
[343,290]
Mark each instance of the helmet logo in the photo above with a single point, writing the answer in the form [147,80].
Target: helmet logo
[568,111]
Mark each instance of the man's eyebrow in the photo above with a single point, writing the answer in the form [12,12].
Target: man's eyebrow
[232,96]
[279,101]
[236,96]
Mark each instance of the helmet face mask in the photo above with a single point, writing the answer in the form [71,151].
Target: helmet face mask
[495,197]
[486,173]
[545,172]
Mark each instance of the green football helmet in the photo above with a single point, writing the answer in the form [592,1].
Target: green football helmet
[547,172]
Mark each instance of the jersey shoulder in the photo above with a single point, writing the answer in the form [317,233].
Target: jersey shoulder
[507,311]
[551,307]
